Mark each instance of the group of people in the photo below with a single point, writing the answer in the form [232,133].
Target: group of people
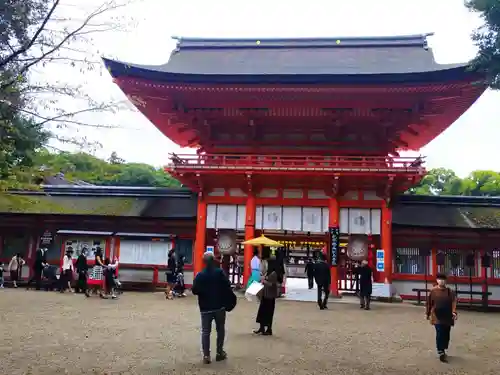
[319,270]
[175,276]
[43,273]
[212,287]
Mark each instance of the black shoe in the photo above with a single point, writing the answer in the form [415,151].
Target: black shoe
[221,356]
[321,307]
[206,360]
[269,332]
[258,331]
[362,306]
[325,307]
[367,308]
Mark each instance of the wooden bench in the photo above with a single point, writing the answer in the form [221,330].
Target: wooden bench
[419,294]
[483,302]
[484,296]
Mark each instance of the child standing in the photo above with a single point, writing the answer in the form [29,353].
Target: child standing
[109,276]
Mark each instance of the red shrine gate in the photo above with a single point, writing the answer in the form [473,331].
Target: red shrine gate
[296,136]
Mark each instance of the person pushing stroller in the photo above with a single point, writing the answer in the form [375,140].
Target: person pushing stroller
[109,277]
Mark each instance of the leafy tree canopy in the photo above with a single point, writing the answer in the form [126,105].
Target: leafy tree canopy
[487,39]
[441,181]
[114,172]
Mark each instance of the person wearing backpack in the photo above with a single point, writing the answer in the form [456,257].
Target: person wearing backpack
[442,313]
[215,298]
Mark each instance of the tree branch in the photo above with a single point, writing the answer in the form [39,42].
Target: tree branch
[35,36]
[100,10]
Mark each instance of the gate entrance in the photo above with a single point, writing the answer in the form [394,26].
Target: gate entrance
[347,278]
[348,281]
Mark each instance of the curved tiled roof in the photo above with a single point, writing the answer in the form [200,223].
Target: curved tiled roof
[292,57]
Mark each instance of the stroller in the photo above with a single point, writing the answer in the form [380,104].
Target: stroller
[179,287]
[50,280]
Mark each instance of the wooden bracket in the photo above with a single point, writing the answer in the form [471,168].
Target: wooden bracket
[388,190]
[249,183]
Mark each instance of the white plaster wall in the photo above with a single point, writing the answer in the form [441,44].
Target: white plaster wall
[146,276]
[495,292]
[136,275]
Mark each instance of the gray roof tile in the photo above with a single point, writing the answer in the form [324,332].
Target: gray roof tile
[326,56]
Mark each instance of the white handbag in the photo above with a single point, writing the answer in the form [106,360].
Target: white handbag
[253,291]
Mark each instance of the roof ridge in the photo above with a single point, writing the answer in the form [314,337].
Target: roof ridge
[303,42]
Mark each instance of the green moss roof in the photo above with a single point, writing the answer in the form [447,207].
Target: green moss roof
[46,204]
[482,217]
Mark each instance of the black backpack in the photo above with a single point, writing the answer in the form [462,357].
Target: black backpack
[230,301]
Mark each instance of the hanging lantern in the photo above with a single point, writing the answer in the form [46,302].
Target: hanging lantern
[357,248]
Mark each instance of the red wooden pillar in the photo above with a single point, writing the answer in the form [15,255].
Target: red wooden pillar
[333,221]
[387,242]
[201,232]
[249,234]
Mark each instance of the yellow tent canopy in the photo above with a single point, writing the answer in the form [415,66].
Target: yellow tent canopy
[262,241]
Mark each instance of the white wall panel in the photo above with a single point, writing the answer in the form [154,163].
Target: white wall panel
[258,217]
[375,221]
[144,252]
[226,216]
[344,220]
[359,221]
[292,218]
[293,193]
[211,215]
[272,218]
[311,219]
[240,219]
[325,212]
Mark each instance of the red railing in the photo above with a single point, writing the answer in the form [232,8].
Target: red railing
[285,162]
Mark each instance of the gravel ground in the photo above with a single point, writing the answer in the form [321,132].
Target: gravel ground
[52,333]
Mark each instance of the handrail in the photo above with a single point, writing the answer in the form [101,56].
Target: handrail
[235,161]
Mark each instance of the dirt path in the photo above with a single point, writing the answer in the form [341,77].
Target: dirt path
[50,333]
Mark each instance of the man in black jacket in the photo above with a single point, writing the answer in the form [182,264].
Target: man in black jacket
[365,275]
[212,288]
[38,265]
[309,270]
[323,280]
[82,269]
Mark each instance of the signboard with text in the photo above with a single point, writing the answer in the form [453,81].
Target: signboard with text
[334,239]
[380,260]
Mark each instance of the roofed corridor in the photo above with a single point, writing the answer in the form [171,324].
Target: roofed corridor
[382,164]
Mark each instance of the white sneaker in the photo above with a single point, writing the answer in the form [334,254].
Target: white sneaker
[1,286]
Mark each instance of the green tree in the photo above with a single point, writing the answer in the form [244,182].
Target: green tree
[482,183]
[487,39]
[438,181]
[20,141]
[115,172]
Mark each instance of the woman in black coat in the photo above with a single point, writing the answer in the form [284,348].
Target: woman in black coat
[265,315]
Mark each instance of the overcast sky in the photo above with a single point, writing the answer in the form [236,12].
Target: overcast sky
[468,144]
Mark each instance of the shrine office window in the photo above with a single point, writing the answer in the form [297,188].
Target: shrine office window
[455,263]
[13,244]
[409,261]
[495,264]
[184,247]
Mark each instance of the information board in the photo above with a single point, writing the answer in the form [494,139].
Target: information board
[334,238]
[380,260]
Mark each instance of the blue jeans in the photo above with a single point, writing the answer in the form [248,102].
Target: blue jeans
[442,337]
[206,329]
